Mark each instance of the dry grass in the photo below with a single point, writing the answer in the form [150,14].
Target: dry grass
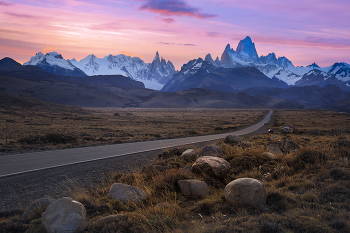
[99,126]
[307,191]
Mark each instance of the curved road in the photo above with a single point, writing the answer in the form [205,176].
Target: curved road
[28,162]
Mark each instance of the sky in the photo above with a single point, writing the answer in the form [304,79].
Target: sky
[304,31]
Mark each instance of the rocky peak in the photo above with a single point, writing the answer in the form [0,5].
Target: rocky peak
[156,58]
[313,66]
[247,46]
[208,58]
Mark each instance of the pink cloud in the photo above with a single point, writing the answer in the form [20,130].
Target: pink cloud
[168,20]
[174,7]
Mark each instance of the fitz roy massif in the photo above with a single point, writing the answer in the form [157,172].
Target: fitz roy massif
[161,72]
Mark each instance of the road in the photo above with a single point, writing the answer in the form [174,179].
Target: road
[28,162]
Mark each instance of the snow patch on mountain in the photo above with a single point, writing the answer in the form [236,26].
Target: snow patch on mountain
[53,58]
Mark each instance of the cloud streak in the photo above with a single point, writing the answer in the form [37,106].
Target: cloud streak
[174,7]
[2,3]
[20,15]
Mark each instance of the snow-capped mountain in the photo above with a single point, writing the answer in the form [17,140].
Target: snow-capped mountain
[161,70]
[54,63]
[154,75]
[341,71]
[273,67]
[319,78]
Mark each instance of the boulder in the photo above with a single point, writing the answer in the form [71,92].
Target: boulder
[193,188]
[211,150]
[189,154]
[101,222]
[36,208]
[125,193]
[246,191]
[233,140]
[269,155]
[65,215]
[289,146]
[274,148]
[213,166]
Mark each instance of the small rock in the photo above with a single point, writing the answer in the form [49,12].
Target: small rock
[193,188]
[65,215]
[125,193]
[189,155]
[246,191]
[101,222]
[289,146]
[269,155]
[213,166]
[36,208]
[211,150]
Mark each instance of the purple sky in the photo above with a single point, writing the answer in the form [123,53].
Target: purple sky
[304,31]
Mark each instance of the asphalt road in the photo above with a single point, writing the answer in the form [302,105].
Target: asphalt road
[27,162]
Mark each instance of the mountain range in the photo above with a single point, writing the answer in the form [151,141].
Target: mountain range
[161,74]
[154,75]
[121,91]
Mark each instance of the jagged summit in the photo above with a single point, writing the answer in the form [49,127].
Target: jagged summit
[247,47]
[313,65]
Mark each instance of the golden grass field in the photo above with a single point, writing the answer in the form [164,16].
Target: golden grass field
[308,190]
[99,126]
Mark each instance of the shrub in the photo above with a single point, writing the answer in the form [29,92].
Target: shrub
[306,157]
[168,180]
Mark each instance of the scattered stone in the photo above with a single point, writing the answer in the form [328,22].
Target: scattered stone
[36,208]
[65,215]
[189,155]
[233,140]
[101,222]
[269,155]
[125,193]
[289,146]
[211,150]
[213,166]
[274,148]
[246,191]
[193,188]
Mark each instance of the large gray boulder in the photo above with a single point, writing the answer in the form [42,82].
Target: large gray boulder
[246,191]
[193,188]
[213,166]
[211,150]
[289,146]
[101,222]
[36,208]
[64,215]
[125,193]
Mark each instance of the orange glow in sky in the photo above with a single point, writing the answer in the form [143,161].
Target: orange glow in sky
[181,30]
